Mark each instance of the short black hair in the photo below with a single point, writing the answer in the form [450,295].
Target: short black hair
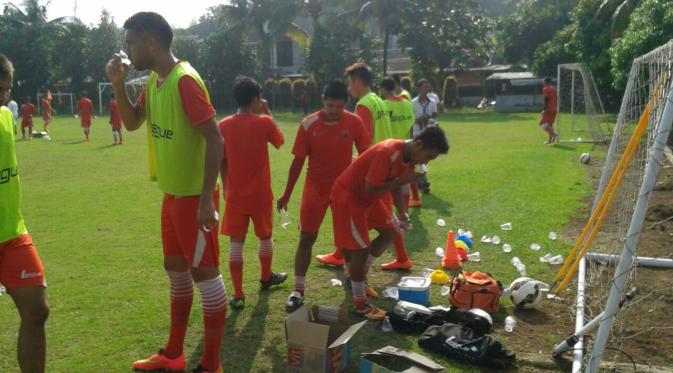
[335,90]
[27,98]
[397,79]
[433,138]
[388,84]
[245,90]
[360,70]
[547,80]
[6,67]
[420,82]
[112,95]
[151,24]
[83,93]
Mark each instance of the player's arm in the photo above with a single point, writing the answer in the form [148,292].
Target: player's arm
[401,207]
[292,177]
[375,181]
[223,173]
[388,186]
[214,151]
[132,115]
[367,119]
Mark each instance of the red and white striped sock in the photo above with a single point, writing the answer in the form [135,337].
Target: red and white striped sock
[265,258]
[359,294]
[181,305]
[236,268]
[214,299]
[370,260]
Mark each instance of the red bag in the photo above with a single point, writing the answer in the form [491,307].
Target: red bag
[475,290]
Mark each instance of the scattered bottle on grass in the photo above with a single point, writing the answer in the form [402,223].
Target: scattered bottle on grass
[553,236]
[506,227]
[510,324]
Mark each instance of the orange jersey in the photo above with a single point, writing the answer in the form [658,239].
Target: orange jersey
[329,147]
[381,163]
[549,94]
[115,117]
[248,184]
[46,108]
[27,111]
[85,108]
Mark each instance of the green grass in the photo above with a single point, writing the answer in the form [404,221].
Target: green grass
[94,217]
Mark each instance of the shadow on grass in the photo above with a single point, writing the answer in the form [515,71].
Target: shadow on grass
[564,147]
[491,117]
[72,142]
[240,344]
[417,239]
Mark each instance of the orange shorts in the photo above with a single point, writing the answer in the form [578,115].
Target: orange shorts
[352,222]
[181,235]
[20,266]
[314,204]
[26,124]
[382,217]
[235,223]
[85,122]
[548,117]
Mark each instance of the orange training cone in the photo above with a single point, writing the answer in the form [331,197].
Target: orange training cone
[451,259]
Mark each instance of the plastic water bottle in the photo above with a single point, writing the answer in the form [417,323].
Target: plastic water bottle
[516,262]
[386,327]
[507,248]
[553,236]
[535,246]
[474,257]
[495,240]
[510,324]
[392,293]
[284,219]
[556,260]
[545,258]
[506,227]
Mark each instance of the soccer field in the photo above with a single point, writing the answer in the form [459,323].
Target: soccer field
[94,216]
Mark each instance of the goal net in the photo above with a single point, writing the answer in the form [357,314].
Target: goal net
[62,103]
[629,233]
[581,117]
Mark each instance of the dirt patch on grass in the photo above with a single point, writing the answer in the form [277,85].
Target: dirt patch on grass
[645,329]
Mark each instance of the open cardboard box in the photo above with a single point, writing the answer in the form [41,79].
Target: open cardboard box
[319,339]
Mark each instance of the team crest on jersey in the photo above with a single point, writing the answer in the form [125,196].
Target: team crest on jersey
[345,135]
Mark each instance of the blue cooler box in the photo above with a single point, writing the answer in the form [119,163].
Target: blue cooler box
[414,290]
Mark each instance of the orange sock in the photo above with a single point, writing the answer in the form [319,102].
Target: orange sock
[400,250]
[236,268]
[414,191]
[181,306]
[214,299]
[265,258]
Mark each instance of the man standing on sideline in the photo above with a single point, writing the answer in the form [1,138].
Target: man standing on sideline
[425,111]
[548,116]
[85,109]
[21,271]
[186,153]
[399,90]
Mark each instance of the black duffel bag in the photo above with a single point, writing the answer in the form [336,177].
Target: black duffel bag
[463,344]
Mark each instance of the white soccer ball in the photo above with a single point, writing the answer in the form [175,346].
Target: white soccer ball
[525,292]
[585,158]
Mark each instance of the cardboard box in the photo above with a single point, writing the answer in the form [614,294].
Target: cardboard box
[319,339]
[390,359]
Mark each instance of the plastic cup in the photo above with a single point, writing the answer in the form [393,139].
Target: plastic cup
[553,236]
[495,240]
[474,257]
[510,324]
[507,248]
[535,246]
[441,223]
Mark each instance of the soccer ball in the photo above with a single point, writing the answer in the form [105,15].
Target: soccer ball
[525,292]
[585,158]
[76,116]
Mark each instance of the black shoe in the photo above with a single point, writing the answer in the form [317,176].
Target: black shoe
[294,301]
[237,304]
[275,279]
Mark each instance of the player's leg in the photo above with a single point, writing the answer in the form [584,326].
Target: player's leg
[235,226]
[22,273]
[31,303]
[263,223]
[30,131]
[201,251]
[171,356]
[415,198]
[311,216]
[119,136]
[23,132]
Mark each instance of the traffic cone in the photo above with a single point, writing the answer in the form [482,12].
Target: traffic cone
[451,259]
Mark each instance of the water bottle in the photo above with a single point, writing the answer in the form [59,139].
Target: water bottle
[516,262]
[510,324]
[386,327]
[284,219]
[506,226]
[556,260]
[545,258]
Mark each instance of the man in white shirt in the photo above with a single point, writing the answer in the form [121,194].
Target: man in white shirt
[425,111]
[14,107]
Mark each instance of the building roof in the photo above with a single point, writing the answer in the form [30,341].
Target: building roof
[512,76]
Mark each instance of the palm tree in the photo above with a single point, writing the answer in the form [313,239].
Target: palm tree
[34,16]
